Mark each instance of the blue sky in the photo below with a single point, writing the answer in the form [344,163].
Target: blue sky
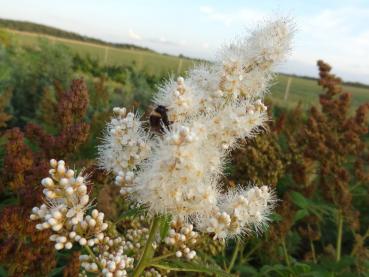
[336,31]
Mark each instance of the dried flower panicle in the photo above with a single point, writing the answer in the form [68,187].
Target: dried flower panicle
[4,101]
[72,129]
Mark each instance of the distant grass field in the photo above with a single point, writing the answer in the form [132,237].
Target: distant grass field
[307,92]
[151,62]
[301,90]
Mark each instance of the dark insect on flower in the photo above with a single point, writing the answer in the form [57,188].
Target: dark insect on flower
[159,119]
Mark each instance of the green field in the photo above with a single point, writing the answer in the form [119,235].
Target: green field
[301,90]
[307,91]
[151,62]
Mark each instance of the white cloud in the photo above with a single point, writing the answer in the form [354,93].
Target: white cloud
[206,9]
[340,37]
[241,16]
[134,35]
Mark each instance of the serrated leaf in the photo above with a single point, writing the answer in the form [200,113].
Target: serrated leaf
[208,259]
[300,214]
[246,269]
[56,271]
[275,217]
[190,267]
[279,268]
[299,200]
[164,226]
[8,202]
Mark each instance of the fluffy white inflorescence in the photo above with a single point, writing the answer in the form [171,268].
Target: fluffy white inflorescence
[176,177]
[210,111]
[243,70]
[125,146]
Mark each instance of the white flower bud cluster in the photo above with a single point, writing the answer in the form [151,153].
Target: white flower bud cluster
[135,238]
[125,147]
[65,209]
[240,208]
[152,272]
[109,260]
[181,237]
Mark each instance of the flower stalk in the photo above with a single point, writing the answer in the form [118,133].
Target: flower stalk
[339,236]
[234,256]
[148,251]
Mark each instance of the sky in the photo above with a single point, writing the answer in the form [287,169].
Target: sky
[333,30]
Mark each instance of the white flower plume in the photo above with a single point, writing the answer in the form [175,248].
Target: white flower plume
[210,111]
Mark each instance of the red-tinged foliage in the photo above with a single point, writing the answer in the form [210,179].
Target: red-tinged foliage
[25,251]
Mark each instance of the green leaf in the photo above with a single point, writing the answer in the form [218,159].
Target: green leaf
[164,225]
[3,272]
[275,217]
[56,271]
[207,259]
[278,268]
[131,213]
[246,270]
[300,214]
[299,200]
[184,266]
[8,202]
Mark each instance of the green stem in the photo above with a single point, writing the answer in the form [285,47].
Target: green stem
[246,258]
[234,256]
[148,252]
[91,253]
[313,251]
[312,246]
[339,236]
[287,259]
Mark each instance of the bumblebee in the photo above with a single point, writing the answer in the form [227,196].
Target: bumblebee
[159,119]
